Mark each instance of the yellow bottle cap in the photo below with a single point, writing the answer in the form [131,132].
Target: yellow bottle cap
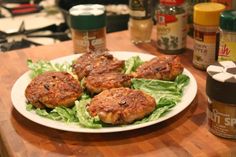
[207,14]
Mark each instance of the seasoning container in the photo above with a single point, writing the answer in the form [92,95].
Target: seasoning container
[140,23]
[227,50]
[206,21]
[221,89]
[88,27]
[171,26]
[229,4]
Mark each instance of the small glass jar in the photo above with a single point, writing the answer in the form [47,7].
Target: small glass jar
[221,89]
[227,46]
[140,30]
[205,33]
[140,23]
[88,27]
[171,26]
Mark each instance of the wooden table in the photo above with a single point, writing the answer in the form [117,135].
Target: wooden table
[183,135]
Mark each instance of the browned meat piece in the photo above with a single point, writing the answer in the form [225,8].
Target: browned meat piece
[52,89]
[99,82]
[96,63]
[162,68]
[121,105]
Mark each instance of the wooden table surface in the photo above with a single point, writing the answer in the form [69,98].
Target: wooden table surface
[183,135]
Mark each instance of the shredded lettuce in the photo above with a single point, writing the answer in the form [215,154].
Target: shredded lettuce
[63,114]
[42,66]
[166,93]
[84,117]
[132,64]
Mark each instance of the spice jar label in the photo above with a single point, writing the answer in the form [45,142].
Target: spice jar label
[89,41]
[222,119]
[227,50]
[171,31]
[204,49]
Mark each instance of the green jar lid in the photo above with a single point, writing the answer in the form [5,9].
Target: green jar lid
[228,20]
[87,17]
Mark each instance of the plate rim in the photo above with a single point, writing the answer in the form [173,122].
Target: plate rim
[71,127]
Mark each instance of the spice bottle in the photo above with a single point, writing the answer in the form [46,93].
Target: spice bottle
[227,50]
[229,4]
[221,89]
[171,26]
[206,21]
[88,27]
[140,23]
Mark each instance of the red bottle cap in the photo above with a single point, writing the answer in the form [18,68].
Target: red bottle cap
[172,2]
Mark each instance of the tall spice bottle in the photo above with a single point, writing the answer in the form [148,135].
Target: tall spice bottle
[171,26]
[140,23]
[206,19]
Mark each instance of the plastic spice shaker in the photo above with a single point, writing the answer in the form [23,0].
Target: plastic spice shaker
[88,27]
[171,26]
[221,89]
[227,50]
[206,21]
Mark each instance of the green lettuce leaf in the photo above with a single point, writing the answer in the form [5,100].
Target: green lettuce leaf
[132,64]
[166,93]
[42,66]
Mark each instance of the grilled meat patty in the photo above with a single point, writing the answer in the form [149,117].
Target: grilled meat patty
[96,63]
[52,89]
[162,68]
[99,82]
[121,105]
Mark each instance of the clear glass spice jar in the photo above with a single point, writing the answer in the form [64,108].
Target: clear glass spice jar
[171,26]
[227,46]
[88,27]
[140,23]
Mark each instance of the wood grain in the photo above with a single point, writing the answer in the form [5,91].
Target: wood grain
[183,135]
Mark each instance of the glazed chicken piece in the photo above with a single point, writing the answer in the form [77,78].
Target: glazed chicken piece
[162,68]
[96,63]
[99,82]
[52,89]
[121,105]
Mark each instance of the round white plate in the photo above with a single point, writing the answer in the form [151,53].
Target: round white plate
[19,100]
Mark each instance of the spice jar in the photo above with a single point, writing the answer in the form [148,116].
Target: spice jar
[206,21]
[229,4]
[88,27]
[221,89]
[140,23]
[227,50]
[171,26]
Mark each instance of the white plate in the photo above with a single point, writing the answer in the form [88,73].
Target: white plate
[19,100]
